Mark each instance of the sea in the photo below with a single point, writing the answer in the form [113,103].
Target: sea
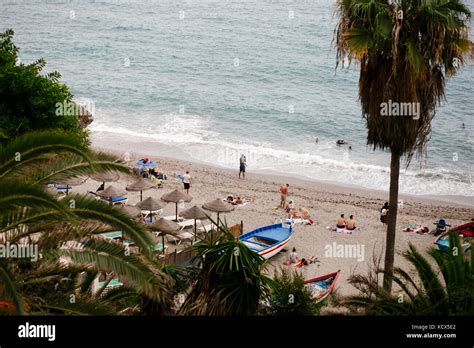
[221,78]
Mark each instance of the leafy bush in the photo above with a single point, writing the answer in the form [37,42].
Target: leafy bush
[28,99]
[289,296]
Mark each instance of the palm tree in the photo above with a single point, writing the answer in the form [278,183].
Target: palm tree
[428,296]
[229,280]
[406,49]
[29,212]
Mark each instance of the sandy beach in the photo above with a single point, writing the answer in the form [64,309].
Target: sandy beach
[324,201]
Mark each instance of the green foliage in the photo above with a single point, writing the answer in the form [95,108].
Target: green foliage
[289,296]
[444,290]
[28,211]
[230,279]
[29,99]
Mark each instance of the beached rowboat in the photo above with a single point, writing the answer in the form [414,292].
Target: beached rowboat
[466,231]
[321,287]
[268,241]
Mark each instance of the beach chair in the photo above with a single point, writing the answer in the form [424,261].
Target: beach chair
[113,284]
[150,213]
[173,217]
[63,189]
[118,200]
[204,228]
[186,223]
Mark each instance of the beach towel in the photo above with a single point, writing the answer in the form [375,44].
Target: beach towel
[341,230]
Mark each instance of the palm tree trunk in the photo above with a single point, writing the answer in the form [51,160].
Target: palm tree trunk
[392,222]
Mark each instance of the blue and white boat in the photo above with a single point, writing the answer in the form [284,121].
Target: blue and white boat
[268,241]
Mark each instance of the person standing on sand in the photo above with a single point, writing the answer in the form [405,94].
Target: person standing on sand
[284,194]
[384,214]
[243,164]
[187,181]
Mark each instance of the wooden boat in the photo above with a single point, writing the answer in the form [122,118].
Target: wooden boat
[465,230]
[268,241]
[321,287]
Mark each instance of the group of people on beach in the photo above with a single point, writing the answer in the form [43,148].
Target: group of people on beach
[348,225]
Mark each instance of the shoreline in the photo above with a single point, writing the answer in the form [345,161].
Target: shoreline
[110,142]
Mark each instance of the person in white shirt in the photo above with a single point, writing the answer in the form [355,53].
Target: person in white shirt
[187,181]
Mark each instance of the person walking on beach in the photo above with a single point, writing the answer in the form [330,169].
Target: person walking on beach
[187,181]
[243,164]
[284,194]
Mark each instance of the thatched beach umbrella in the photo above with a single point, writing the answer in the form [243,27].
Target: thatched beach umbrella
[110,192]
[195,213]
[218,206]
[140,184]
[176,196]
[105,177]
[132,210]
[70,182]
[151,205]
[165,226]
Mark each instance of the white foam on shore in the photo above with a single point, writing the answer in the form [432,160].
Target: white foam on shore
[193,137]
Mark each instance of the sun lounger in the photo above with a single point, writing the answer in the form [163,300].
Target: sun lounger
[63,188]
[112,235]
[204,228]
[119,200]
[148,213]
[159,247]
[173,217]
[186,223]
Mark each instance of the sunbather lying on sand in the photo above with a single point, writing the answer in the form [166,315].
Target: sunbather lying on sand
[301,213]
[306,262]
[237,201]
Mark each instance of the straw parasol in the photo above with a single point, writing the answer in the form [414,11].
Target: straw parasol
[105,177]
[195,213]
[132,210]
[166,227]
[70,182]
[151,205]
[111,191]
[140,184]
[218,206]
[176,196]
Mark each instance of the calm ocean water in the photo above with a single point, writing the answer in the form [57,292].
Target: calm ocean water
[221,77]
